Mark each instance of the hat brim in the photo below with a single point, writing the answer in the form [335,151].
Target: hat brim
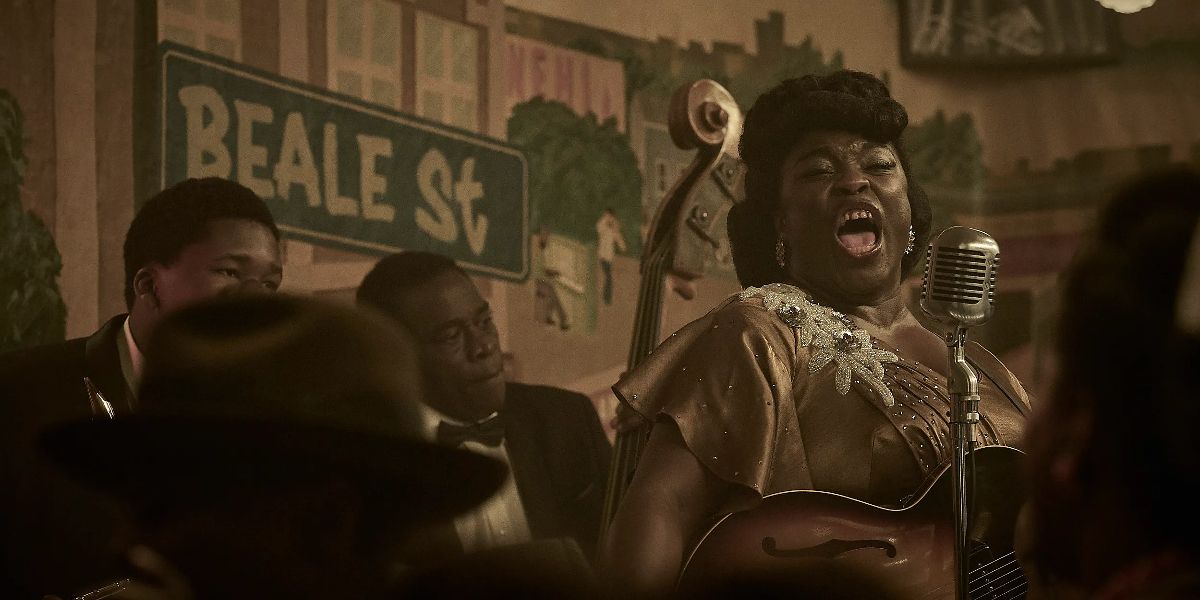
[128,455]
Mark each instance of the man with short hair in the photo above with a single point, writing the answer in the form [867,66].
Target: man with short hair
[551,438]
[198,239]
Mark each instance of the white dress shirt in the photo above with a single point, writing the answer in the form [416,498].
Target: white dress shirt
[500,521]
[132,360]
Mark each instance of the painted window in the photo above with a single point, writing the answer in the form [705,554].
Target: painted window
[364,49]
[210,25]
[447,69]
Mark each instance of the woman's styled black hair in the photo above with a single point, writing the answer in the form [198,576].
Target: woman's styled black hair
[843,100]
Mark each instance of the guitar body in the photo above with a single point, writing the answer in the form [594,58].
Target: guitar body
[909,550]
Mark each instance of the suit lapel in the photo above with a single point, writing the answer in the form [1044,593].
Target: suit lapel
[521,435]
[102,365]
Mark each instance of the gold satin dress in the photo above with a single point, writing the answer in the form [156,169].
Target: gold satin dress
[773,392]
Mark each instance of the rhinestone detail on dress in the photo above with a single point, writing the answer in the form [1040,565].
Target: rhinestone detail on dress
[832,336]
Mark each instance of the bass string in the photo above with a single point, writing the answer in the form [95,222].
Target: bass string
[1005,579]
[994,577]
[1018,591]
[628,445]
[1007,556]
[1008,584]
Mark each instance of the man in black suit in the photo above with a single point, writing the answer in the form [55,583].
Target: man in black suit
[199,239]
[551,438]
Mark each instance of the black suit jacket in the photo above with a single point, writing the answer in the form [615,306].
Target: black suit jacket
[57,537]
[559,458]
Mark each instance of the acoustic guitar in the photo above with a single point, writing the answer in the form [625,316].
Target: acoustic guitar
[907,550]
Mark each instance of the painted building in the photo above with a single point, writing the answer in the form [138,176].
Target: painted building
[88,83]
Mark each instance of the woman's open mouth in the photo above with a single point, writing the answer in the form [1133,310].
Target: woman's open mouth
[858,231]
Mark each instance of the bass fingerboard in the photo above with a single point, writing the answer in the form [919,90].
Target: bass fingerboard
[628,445]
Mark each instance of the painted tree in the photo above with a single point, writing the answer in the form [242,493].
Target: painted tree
[946,157]
[31,307]
[946,151]
[577,168]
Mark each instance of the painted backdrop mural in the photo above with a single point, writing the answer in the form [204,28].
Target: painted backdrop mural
[528,140]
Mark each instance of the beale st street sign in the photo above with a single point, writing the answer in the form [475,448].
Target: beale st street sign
[340,172]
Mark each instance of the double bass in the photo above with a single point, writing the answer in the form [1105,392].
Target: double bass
[683,236]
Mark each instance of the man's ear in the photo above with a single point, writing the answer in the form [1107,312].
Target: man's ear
[145,285]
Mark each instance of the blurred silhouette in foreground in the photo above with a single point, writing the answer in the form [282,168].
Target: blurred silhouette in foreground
[276,453]
[1114,450]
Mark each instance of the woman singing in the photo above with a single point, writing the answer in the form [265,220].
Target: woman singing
[816,376]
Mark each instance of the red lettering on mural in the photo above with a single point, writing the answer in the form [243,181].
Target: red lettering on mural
[516,71]
[586,84]
[564,79]
[537,72]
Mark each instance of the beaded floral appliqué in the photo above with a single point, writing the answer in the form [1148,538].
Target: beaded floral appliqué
[832,336]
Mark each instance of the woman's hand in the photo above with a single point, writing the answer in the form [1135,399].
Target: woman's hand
[626,419]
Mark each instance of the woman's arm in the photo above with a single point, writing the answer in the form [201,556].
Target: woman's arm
[671,496]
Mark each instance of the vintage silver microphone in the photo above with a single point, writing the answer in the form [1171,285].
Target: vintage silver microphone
[959,291]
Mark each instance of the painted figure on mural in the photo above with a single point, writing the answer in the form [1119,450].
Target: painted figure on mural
[608,240]
[817,376]
[196,240]
[553,270]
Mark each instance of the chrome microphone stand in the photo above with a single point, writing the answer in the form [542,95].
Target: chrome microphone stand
[959,290]
[963,386]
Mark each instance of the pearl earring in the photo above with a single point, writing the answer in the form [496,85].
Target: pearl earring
[912,240]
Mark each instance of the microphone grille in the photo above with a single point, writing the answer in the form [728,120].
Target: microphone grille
[959,283]
[960,275]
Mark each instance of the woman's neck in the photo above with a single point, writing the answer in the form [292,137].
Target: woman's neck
[890,320]
[884,313]
[888,313]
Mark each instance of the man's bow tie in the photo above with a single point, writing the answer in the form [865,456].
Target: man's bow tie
[489,432]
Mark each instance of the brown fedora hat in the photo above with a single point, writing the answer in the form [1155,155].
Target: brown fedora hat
[276,388]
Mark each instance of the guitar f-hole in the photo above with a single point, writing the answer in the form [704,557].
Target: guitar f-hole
[828,549]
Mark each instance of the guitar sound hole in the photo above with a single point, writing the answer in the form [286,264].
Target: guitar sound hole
[827,549]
